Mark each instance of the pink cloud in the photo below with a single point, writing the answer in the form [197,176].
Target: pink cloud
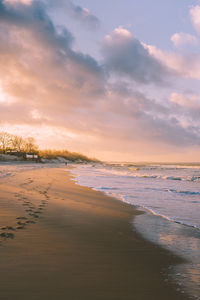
[195,17]
[181,39]
[69,98]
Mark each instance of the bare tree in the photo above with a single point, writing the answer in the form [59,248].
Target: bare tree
[5,141]
[29,145]
[17,143]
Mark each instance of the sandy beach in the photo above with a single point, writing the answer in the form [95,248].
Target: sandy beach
[62,241]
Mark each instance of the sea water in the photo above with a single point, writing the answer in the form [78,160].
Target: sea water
[170,197]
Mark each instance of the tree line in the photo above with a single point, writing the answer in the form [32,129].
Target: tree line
[10,142]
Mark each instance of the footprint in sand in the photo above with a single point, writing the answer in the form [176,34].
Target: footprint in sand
[21,223]
[20,227]
[37,212]
[7,235]
[41,206]
[30,222]
[32,210]
[8,228]
[33,215]
[29,210]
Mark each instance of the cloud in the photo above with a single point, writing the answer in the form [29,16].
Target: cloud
[140,118]
[191,101]
[125,55]
[188,105]
[195,17]
[181,39]
[14,2]
[44,81]
[184,65]
[39,70]
[28,40]
[84,15]
[81,14]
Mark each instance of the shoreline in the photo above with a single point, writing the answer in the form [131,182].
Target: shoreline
[81,246]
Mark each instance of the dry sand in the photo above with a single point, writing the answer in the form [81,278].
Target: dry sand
[69,242]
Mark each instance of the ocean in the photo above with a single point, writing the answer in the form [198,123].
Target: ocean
[169,196]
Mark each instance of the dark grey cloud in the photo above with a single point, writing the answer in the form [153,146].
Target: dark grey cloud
[169,130]
[29,30]
[127,56]
[34,18]
[138,117]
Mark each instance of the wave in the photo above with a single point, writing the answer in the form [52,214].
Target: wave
[155,213]
[154,176]
[183,192]
[174,178]
[158,214]
[176,221]
[164,191]
[161,172]
[192,178]
[107,188]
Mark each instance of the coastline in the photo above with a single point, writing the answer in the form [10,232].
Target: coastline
[81,246]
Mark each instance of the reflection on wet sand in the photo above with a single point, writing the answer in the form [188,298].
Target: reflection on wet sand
[180,239]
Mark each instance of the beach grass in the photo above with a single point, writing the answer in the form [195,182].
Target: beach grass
[71,156]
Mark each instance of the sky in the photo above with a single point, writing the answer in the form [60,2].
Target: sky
[115,80]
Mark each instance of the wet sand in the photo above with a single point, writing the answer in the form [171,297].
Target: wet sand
[62,241]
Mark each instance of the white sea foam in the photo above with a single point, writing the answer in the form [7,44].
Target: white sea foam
[169,191]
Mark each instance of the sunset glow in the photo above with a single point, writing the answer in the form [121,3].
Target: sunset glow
[118,86]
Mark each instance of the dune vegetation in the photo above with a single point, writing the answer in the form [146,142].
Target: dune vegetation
[16,145]
[71,156]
